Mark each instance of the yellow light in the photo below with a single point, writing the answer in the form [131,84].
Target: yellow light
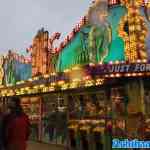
[100,63]
[76,68]
[67,70]
[30,79]
[86,77]
[106,76]
[112,75]
[128,74]
[9,85]
[134,74]
[61,82]
[45,89]
[91,64]
[118,75]
[42,85]
[65,86]
[76,80]
[139,61]
[36,87]
[89,83]
[18,83]
[27,88]
[46,75]
[35,78]
[116,62]
[73,85]
[144,60]
[51,88]
[140,74]
[53,83]
[99,81]
[53,73]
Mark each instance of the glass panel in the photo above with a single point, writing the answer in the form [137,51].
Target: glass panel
[54,120]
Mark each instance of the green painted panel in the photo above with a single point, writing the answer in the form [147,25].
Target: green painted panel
[95,41]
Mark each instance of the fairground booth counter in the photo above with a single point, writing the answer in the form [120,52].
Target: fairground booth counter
[94,86]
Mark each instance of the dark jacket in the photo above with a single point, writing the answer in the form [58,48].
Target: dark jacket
[1,129]
[16,131]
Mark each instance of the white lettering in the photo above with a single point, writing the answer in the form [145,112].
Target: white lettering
[127,68]
[112,69]
[137,67]
[147,67]
[122,69]
[142,67]
[117,68]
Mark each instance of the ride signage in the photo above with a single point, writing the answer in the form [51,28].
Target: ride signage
[125,68]
[120,68]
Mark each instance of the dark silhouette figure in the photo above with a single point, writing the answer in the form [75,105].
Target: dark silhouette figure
[16,126]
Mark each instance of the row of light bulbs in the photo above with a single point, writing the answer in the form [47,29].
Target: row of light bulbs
[51,87]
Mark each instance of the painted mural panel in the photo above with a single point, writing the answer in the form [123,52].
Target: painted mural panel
[23,70]
[9,71]
[98,41]
[15,70]
[1,69]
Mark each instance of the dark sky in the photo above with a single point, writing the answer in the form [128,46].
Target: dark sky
[20,20]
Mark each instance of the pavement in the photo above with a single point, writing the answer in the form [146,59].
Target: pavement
[42,146]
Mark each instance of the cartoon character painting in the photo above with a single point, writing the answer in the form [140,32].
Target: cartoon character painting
[1,70]
[100,34]
[9,70]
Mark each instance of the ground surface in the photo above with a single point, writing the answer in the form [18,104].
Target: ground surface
[40,146]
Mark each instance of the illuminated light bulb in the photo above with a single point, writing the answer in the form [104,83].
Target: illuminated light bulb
[122,62]
[76,80]
[36,87]
[144,60]
[91,64]
[140,74]
[67,70]
[112,75]
[76,68]
[116,62]
[65,86]
[134,74]
[51,88]
[100,63]
[106,76]
[46,75]
[30,80]
[35,78]
[87,77]
[61,82]
[118,75]
[53,73]
[128,74]
[88,83]
[42,85]
[18,83]
[138,61]
[53,83]
[111,62]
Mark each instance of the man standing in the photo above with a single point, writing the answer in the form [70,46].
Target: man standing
[15,127]
[1,135]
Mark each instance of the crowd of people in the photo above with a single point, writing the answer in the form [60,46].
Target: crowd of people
[14,126]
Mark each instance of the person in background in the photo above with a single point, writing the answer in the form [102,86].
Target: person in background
[1,136]
[16,126]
